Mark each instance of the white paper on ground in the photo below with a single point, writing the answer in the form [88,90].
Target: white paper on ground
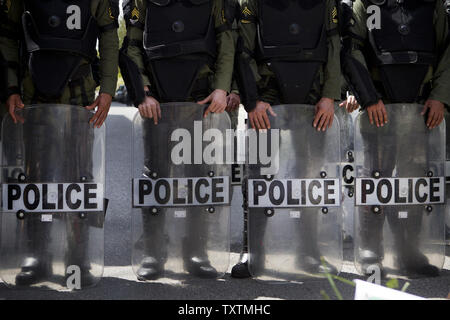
[369,291]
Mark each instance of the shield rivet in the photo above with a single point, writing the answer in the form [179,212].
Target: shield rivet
[20,214]
[323,174]
[83,179]
[269,212]
[350,194]
[350,156]
[376,174]
[211,210]
[154,211]
[294,29]
[430,174]
[82,215]
[404,29]
[154,175]
[376,209]
[178,26]
[324,210]
[268,177]
[22,177]
[429,209]
[211,174]
[54,21]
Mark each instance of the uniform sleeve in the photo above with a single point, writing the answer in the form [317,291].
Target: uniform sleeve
[358,32]
[134,14]
[225,49]
[332,70]
[247,31]
[108,47]
[10,43]
[441,77]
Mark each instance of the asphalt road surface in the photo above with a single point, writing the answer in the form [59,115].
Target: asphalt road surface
[119,281]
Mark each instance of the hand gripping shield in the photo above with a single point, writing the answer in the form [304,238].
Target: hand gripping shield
[53,175]
[181,194]
[399,194]
[294,197]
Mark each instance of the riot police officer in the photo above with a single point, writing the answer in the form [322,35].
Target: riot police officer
[268,39]
[177,51]
[397,61]
[447,226]
[60,40]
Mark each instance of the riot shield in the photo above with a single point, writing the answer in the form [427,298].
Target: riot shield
[347,169]
[294,225]
[53,174]
[447,172]
[181,194]
[399,196]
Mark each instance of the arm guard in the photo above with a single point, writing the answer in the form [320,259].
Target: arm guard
[245,78]
[131,76]
[359,80]
[355,73]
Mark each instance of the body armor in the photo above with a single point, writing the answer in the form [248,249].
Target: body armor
[292,39]
[58,36]
[404,48]
[174,31]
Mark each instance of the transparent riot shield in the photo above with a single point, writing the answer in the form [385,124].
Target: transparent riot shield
[347,169]
[53,175]
[447,172]
[294,195]
[181,194]
[399,194]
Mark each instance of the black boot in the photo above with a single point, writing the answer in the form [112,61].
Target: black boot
[154,247]
[33,270]
[38,263]
[407,243]
[150,269]
[308,254]
[313,264]
[241,270]
[416,263]
[195,258]
[370,252]
[78,248]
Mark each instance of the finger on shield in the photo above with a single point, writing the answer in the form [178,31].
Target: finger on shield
[266,120]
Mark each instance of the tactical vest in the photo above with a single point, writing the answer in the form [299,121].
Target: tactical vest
[3,78]
[447,10]
[292,40]
[3,18]
[3,64]
[404,47]
[174,30]
[58,35]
